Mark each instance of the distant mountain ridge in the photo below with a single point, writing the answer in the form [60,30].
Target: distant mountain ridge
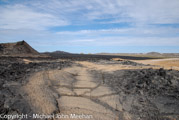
[153,53]
[17,48]
[150,54]
[56,53]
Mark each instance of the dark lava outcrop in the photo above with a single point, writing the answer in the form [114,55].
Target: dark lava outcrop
[13,75]
[145,94]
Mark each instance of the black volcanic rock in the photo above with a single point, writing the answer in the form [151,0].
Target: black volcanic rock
[13,75]
[146,94]
[18,48]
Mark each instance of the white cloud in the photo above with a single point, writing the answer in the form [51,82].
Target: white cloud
[39,38]
[83,40]
[23,17]
[133,41]
[16,20]
[43,14]
[154,11]
[134,11]
[134,31]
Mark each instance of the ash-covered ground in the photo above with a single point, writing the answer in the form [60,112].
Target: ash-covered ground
[144,94]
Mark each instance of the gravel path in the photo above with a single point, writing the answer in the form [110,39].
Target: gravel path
[72,91]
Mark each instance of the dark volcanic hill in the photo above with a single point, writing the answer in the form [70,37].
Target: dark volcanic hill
[18,48]
[57,53]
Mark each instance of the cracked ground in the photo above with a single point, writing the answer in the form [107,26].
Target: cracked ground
[72,91]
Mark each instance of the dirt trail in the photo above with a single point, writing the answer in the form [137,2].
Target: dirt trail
[72,91]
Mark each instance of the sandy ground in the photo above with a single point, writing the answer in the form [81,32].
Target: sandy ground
[40,97]
[171,63]
[72,91]
[111,67]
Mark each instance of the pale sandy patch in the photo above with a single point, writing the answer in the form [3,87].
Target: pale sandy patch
[171,63]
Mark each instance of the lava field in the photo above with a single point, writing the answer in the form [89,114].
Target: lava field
[144,94]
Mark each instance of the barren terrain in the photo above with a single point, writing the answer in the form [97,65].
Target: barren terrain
[170,63]
[101,89]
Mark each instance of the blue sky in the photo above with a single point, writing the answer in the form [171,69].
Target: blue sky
[92,26]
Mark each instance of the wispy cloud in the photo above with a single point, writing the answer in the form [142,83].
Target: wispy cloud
[136,11]
[23,17]
[130,22]
[150,31]
[42,14]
